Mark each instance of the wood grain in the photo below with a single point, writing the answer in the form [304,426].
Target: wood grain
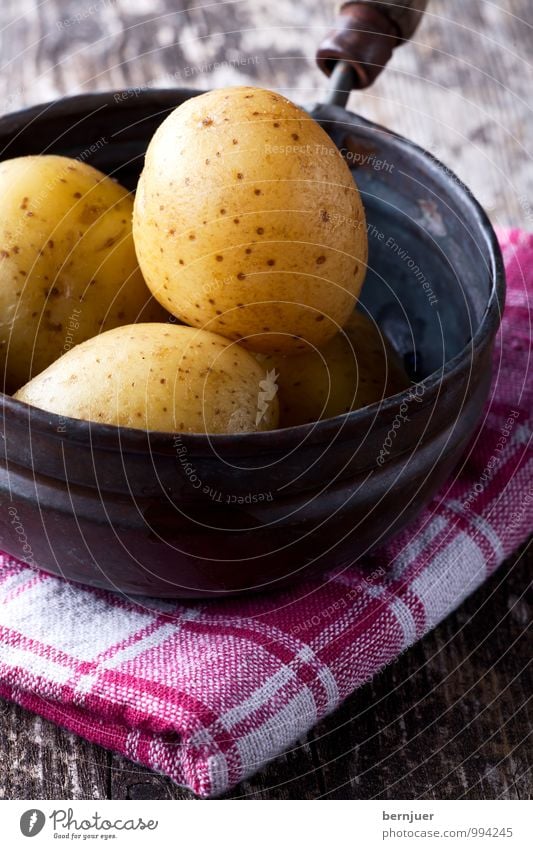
[451,718]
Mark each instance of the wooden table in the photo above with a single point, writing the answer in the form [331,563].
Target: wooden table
[450,718]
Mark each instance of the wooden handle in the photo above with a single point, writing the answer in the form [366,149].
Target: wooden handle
[365,34]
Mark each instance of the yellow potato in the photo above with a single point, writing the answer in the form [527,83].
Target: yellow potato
[68,268]
[356,368]
[247,221]
[158,377]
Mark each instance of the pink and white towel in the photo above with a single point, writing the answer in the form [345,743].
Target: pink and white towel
[208,692]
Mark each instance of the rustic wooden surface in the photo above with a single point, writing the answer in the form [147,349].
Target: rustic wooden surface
[450,718]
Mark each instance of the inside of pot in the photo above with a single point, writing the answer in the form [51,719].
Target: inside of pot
[429,277]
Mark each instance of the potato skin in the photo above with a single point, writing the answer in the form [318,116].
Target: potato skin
[157,377]
[356,368]
[247,221]
[68,268]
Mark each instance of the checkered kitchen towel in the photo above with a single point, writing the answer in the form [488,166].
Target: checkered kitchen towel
[206,693]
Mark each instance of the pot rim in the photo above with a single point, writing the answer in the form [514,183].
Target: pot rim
[134,440]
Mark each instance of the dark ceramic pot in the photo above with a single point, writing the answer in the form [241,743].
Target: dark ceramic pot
[195,515]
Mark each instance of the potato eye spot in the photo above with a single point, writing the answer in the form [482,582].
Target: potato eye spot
[320,260]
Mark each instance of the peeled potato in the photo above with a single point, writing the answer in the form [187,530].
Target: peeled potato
[158,377]
[356,368]
[247,221]
[68,268]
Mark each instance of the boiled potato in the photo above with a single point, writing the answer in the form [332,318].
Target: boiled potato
[356,368]
[158,377]
[247,221]
[68,268]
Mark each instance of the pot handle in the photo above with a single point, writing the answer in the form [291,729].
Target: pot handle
[365,34]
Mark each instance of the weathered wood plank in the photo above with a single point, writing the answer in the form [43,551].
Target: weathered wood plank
[450,718]
[40,760]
